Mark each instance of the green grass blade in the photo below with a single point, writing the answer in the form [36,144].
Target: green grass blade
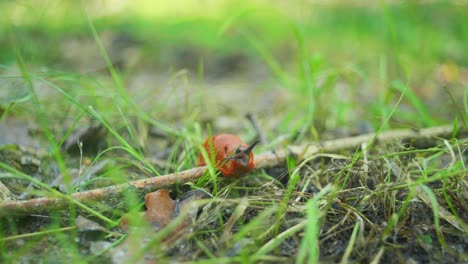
[309,248]
[415,102]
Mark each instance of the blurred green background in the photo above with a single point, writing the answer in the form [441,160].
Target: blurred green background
[307,65]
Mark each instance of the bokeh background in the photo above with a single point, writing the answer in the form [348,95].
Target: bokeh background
[299,66]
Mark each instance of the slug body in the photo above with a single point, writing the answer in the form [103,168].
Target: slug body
[232,156]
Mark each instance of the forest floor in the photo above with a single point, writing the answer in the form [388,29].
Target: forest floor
[361,112]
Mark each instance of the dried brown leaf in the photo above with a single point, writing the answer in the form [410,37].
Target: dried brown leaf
[160,208]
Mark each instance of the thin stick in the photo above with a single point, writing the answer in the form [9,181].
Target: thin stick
[253,120]
[110,193]
[423,138]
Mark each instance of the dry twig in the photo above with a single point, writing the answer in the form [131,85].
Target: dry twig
[422,138]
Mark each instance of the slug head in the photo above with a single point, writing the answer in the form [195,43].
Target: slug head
[243,155]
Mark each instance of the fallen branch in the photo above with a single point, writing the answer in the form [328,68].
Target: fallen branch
[113,194]
[423,138]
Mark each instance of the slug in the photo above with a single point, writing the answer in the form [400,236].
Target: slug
[232,156]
